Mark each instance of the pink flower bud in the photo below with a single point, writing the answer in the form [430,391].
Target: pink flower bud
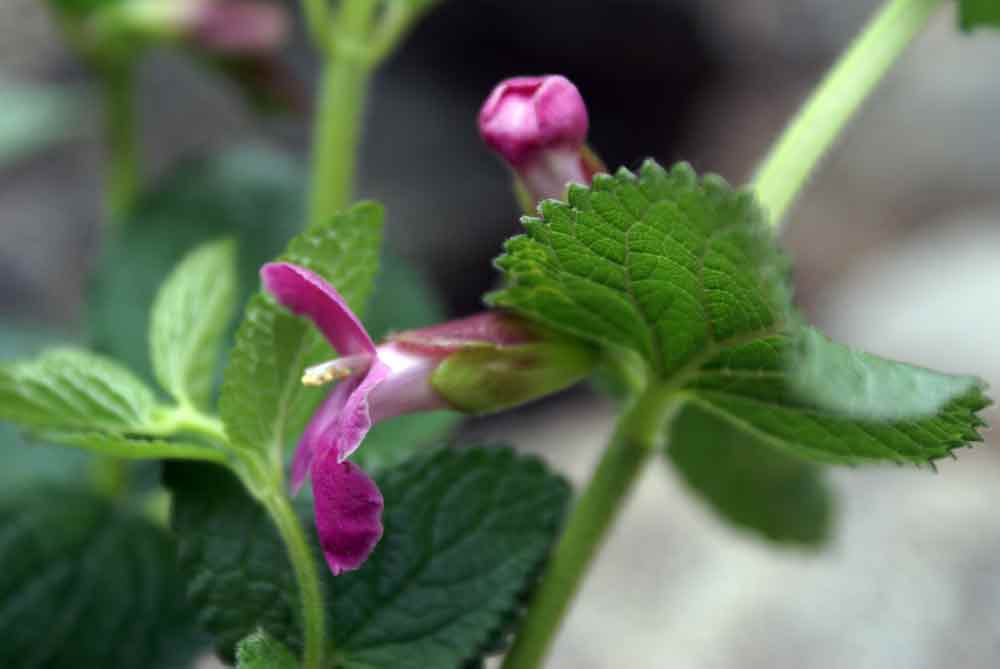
[538,125]
[238,27]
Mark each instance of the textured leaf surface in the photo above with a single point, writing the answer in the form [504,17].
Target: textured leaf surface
[68,389]
[747,482]
[465,535]
[262,395]
[86,584]
[749,386]
[190,316]
[260,651]
[978,13]
[665,264]
[238,575]
[136,447]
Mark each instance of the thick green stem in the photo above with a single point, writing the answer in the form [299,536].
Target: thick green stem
[122,171]
[304,564]
[340,108]
[823,117]
[639,433]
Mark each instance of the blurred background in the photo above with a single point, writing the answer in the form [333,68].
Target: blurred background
[896,246]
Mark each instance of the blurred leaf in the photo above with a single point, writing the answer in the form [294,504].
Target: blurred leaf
[190,316]
[393,441]
[260,651]
[839,379]
[33,118]
[979,13]
[749,483]
[70,389]
[262,396]
[253,195]
[77,398]
[87,584]
[465,535]
[749,388]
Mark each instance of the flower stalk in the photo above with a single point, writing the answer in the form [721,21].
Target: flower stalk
[794,157]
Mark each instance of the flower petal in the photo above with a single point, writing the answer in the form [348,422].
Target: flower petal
[348,508]
[355,418]
[308,294]
[317,432]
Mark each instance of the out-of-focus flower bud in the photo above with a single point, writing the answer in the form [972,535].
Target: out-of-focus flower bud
[539,125]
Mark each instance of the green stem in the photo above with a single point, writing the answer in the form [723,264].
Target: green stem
[340,107]
[304,565]
[640,431]
[122,172]
[823,117]
[317,16]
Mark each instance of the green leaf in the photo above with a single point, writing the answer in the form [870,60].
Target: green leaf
[263,398]
[837,378]
[664,264]
[685,273]
[69,389]
[978,13]
[87,584]
[393,441]
[749,483]
[190,317]
[33,118]
[251,194]
[260,651]
[750,387]
[465,535]
[239,578]
[137,447]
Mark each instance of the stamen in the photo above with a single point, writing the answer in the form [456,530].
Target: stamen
[335,370]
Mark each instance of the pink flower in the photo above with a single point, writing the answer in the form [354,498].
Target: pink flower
[419,370]
[539,126]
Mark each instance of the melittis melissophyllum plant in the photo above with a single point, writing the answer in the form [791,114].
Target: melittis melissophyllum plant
[398,553]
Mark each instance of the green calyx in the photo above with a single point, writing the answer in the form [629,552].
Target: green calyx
[485,379]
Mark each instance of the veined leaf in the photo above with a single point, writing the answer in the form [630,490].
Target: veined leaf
[260,651]
[189,318]
[465,535]
[262,393]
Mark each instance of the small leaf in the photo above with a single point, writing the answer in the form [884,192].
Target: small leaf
[664,264]
[749,387]
[87,584]
[749,483]
[190,316]
[862,385]
[263,399]
[69,389]
[260,651]
[465,535]
[251,194]
[979,13]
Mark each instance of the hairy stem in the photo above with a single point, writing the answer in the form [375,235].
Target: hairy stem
[638,434]
[823,117]
[339,111]
[122,172]
[304,564]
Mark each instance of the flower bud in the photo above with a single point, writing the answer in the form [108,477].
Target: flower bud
[538,125]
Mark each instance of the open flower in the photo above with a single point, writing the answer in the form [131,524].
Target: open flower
[539,125]
[482,363]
